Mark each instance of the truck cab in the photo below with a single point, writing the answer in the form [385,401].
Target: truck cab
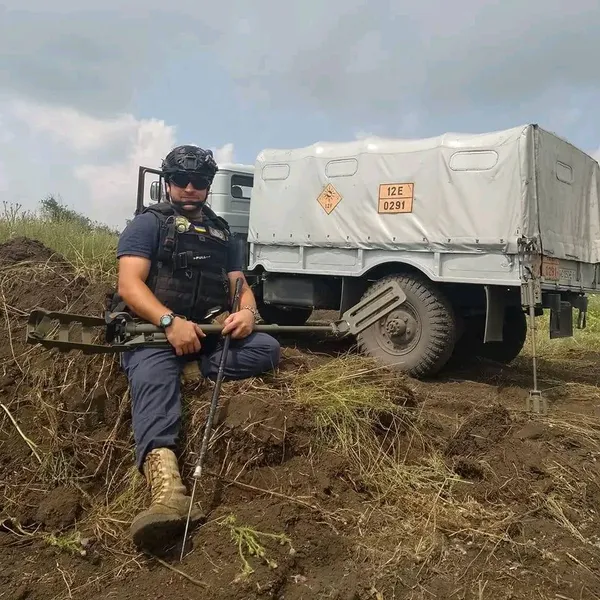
[230,196]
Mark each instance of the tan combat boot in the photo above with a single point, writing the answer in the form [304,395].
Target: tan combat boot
[168,511]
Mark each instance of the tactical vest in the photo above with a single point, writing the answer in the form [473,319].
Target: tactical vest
[189,274]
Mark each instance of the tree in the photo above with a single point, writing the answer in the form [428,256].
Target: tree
[56,212]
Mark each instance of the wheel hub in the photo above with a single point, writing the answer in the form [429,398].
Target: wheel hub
[400,331]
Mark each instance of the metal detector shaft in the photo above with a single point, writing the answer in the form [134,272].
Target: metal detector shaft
[217,389]
[124,333]
[133,329]
[213,407]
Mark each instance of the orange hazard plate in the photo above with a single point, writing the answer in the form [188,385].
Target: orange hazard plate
[550,268]
[395,198]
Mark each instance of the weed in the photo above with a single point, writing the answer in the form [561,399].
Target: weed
[247,540]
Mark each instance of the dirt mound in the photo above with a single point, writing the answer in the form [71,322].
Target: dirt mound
[33,275]
[21,249]
[59,509]
[327,479]
[480,433]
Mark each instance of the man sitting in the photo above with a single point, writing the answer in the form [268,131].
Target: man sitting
[178,264]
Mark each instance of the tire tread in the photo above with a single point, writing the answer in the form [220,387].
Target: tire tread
[441,321]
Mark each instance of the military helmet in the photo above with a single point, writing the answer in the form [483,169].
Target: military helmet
[190,159]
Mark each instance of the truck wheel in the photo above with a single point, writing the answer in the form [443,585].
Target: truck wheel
[468,341]
[514,332]
[418,337]
[273,314]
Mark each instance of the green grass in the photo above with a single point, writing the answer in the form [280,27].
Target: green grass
[583,340]
[89,247]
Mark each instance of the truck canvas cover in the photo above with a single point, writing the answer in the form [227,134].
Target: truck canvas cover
[452,193]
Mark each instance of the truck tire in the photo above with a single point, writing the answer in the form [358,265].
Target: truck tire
[274,314]
[468,341]
[514,332]
[419,336]
[470,345]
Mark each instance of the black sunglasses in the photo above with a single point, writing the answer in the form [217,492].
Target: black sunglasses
[182,180]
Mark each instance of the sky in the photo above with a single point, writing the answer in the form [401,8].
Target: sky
[89,94]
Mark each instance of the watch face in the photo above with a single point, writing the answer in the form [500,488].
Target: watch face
[166,320]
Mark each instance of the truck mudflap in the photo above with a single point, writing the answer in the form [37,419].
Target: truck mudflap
[120,332]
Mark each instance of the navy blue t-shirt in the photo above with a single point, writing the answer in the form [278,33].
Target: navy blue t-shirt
[142,234]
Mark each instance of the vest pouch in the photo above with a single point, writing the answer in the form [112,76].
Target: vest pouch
[213,290]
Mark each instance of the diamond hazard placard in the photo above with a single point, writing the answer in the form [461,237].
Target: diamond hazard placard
[329,198]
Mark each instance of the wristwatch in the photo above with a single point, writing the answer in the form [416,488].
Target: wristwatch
[166,320]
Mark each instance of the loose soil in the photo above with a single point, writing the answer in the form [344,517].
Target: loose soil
[438,489]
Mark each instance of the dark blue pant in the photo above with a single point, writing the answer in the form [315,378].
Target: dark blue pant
[154,383]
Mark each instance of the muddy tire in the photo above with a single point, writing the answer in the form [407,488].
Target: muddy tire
[419,336]
[273,314]
[514,332]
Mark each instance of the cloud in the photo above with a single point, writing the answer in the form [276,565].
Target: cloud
[74,97]
[225,154]
[361,60]
[346,56]
[67,125]
[106,153]
[362,135]
[3,180]
[112,187]
[98,158]
[70,55]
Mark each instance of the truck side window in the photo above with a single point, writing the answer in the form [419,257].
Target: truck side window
[241,186]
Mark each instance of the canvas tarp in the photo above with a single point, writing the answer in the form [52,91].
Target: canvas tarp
[452,193]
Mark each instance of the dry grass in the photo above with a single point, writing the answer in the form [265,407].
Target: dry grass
[421,511]
[365,413]
[418,518]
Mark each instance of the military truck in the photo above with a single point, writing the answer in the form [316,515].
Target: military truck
[479,230]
